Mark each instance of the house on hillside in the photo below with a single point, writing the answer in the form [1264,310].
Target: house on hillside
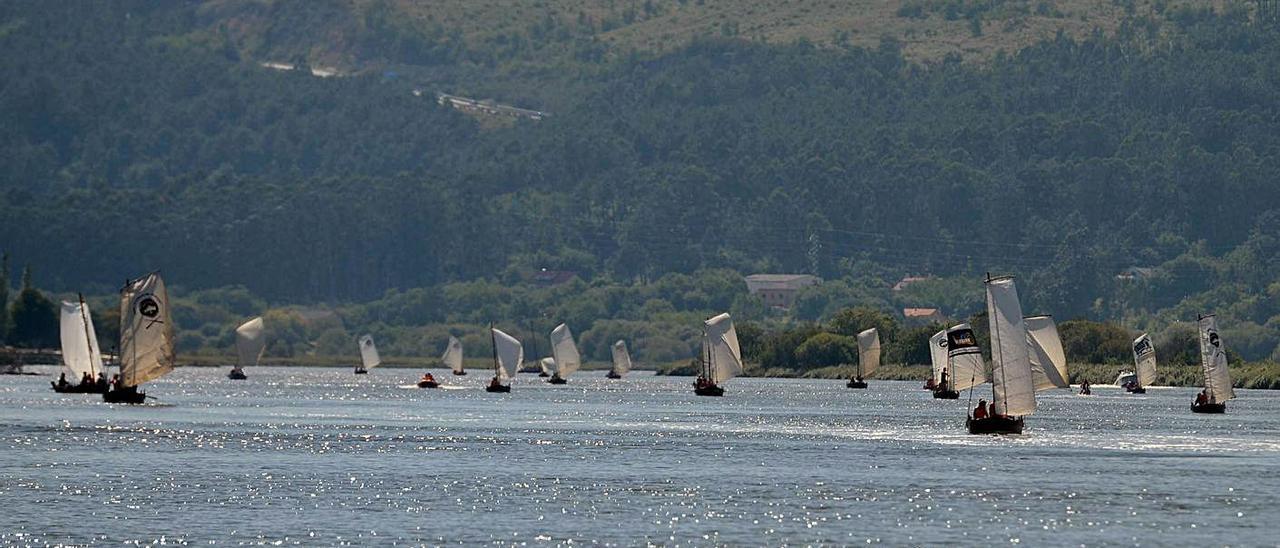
[923,316]
[1135,273]
[779,290]
[546,277]
[908,280]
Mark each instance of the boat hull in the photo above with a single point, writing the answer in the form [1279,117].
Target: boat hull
[1213,408]
[714,391]
[557,380]
[362,371]
[428,384]
[994,425]
[946,395]
[237,375]
[124,396]
[856,384]
[613,375]
[78,389]
[459,373]
[1136,390]
[499,388]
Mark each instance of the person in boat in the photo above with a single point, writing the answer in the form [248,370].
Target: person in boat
[495,382]
[980,412]
[991,410]
[102,380]
[115,381]
[701,382]
[426,377]
[944,386]
[62,380]
[1202,398]
[86,380]
[1084,387]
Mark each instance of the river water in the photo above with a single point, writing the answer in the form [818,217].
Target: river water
[317,456]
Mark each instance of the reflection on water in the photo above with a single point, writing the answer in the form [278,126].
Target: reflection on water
[321,456]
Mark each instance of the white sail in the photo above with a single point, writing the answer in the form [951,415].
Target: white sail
[547,365]
[509,353]
[621,358]
[453,355]
[1213,358]
[1010,360]
[565,351]
[1048,360]
[868,352]
[1144,360]
[938,355]
[146,331]
[251,341]
[726,356]
[964,357]
[80,352]
[369,353]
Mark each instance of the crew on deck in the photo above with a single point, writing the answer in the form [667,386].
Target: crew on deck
[980,412]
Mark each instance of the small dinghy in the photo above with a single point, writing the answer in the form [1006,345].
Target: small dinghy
[251,341]
[146,338]
[868,357]
[369,357]
[508,354]
[1213,360]
[565,351]
[721,356]
[452,357]
[1013,392]
[80,354]
[621,360]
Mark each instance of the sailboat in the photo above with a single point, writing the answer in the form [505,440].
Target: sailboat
[566,353]
[251,341]
[452,357]
[545,367]
[369,357]
[1213,359]
[868,357]
[940,382]
[508,354]
[1048,360]
[1144,362]
[1013,393]
[80,353]
[721,356]
[146,338]
[963,361]
[621,360]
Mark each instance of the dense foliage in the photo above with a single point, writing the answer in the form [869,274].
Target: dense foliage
[133,142]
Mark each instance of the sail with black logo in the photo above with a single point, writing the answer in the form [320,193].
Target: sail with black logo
[146,338]
[1144,363]
[1213,361]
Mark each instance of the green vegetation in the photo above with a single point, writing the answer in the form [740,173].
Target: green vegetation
[146,135]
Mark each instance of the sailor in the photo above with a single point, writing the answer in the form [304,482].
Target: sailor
[86,380]
[1084,387]
[1202,398]
[102,380]
[495,382]
[943,386]
[115,381]
[980,412]
[991,410]
[428,378]
[62,381]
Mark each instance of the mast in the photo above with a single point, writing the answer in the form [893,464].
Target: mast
[87,342]
[493,340]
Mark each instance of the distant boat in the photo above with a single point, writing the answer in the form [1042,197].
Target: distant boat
[1013,393]
[566,353]
[1048,360]
[621,360]
[545,367]
[721,356]
[369,357]
[452,357]
[964,360]
[508,354]
[868,357]
[1144,362]
[80,353]
[1213,359]
[146,338]
[251,341]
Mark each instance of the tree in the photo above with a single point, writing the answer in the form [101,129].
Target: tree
[34,317]
[851,321]
[4,296]
[827,349]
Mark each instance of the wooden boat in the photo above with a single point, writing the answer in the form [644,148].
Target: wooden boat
[721,356]
[251,341]
[1144,361]
[452,357]
[1013,391]
[146,338]
[80,353]
[508,354]
[369,357]
[1213,361]
[868,357]
[946,395]
[428,384]
[565,352]
[621,360]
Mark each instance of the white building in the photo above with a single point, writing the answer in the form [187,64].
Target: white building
[779,290]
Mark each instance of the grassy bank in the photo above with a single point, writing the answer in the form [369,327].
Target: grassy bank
[1264,375]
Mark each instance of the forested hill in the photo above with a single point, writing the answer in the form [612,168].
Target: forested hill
[133,139]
